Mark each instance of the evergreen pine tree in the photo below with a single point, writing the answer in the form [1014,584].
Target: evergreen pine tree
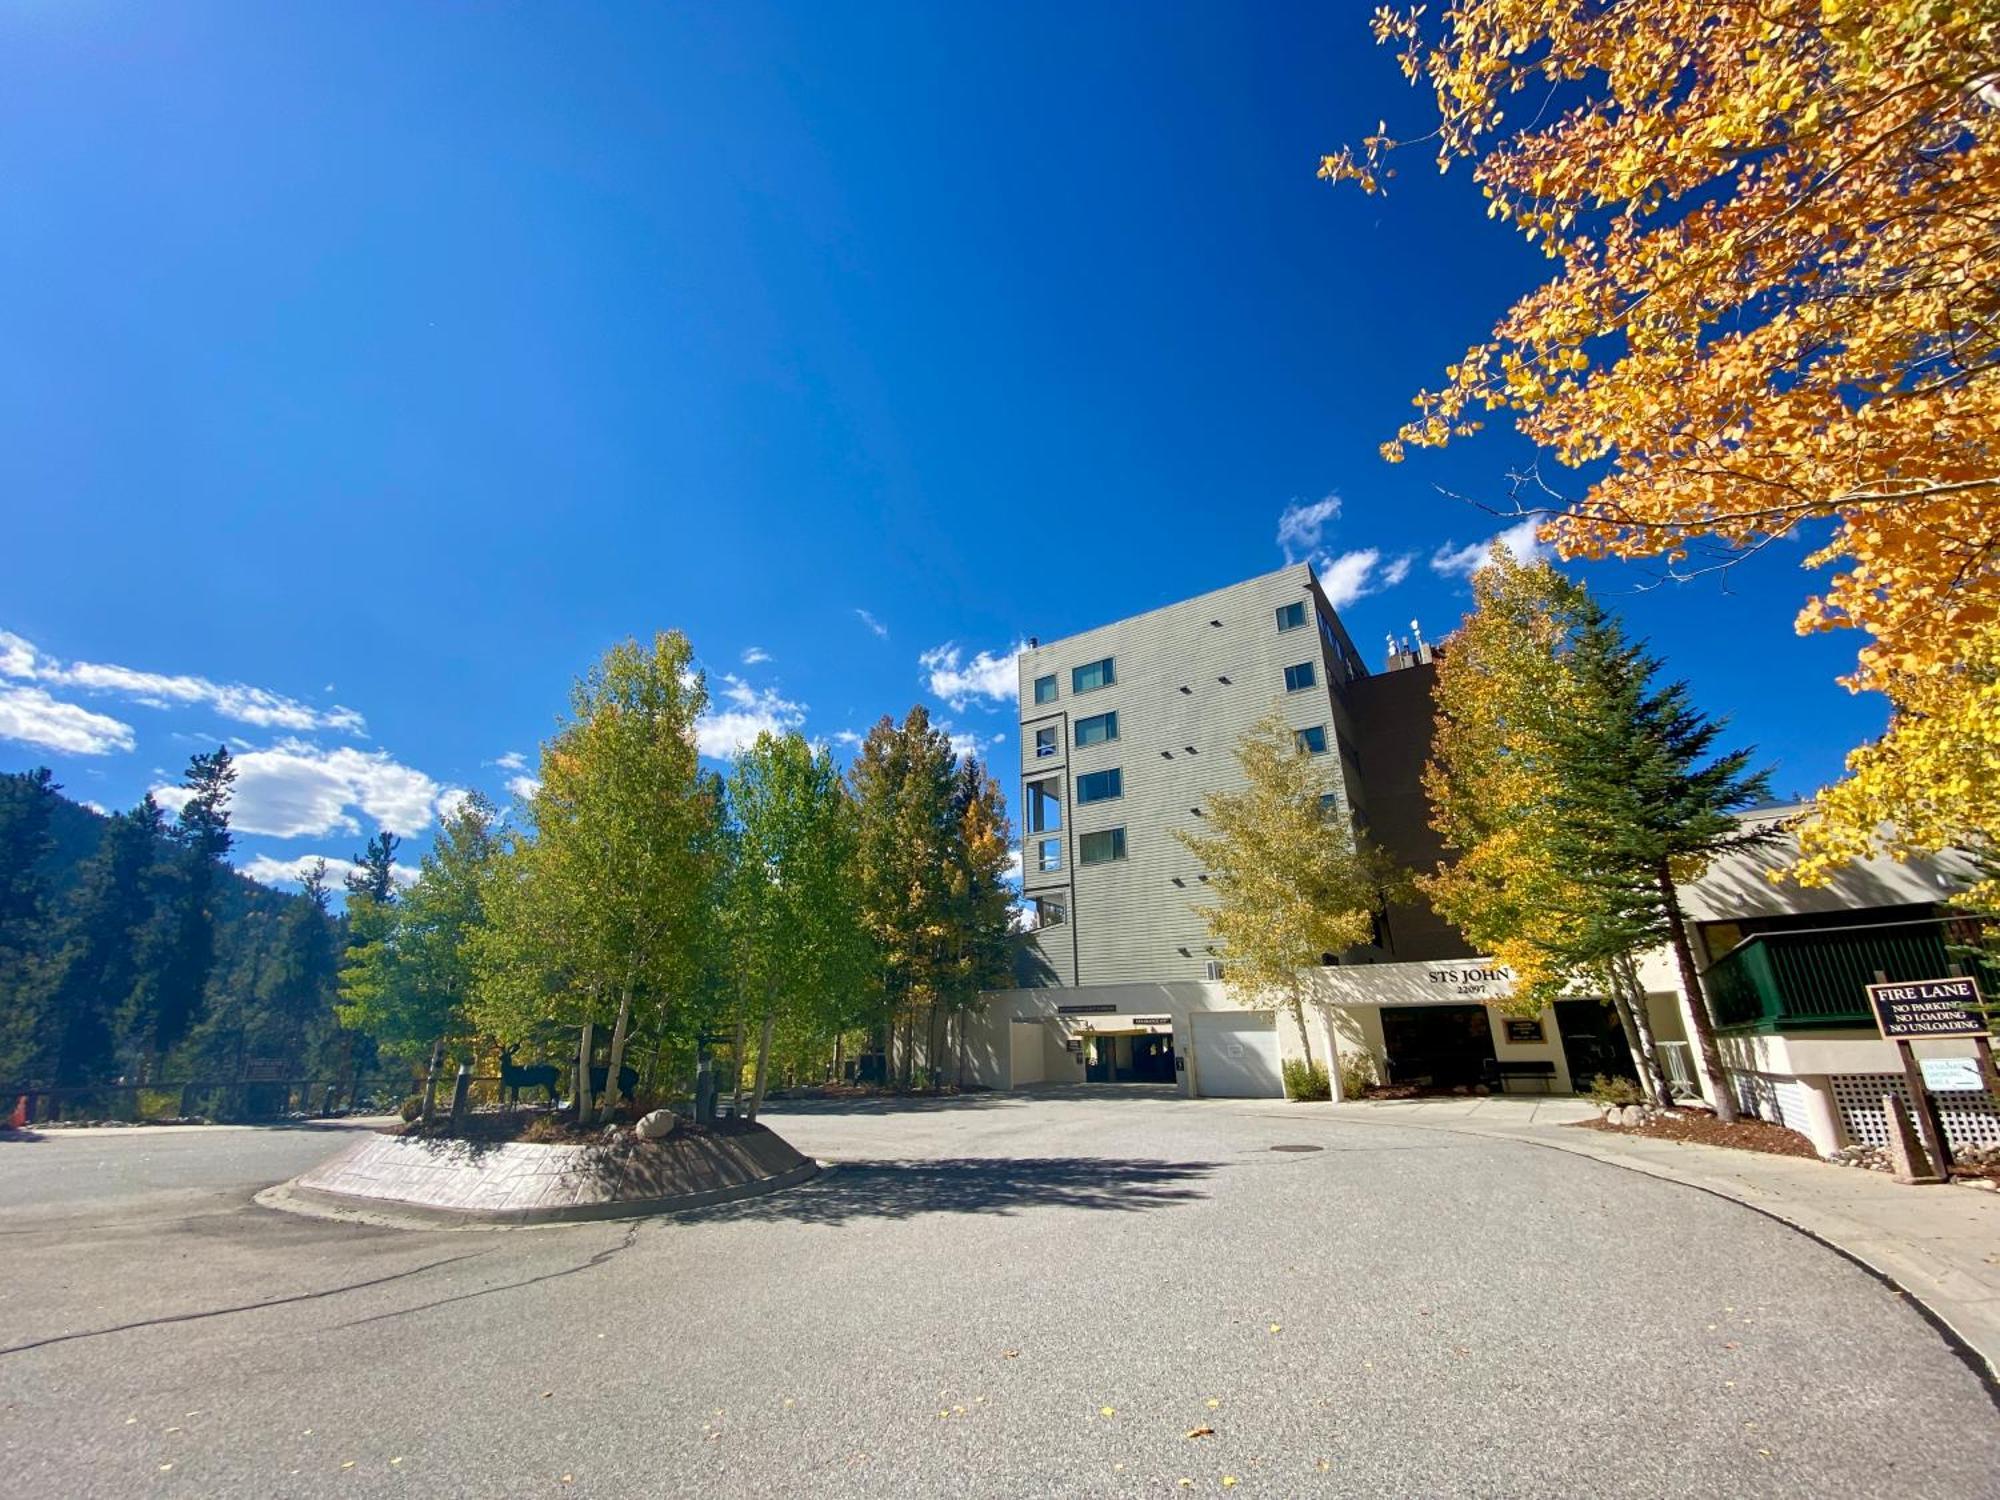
[27,801]
[97,964]
[180,953]
[1644,803]
[374,877]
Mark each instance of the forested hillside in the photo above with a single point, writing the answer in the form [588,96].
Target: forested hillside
[131,952]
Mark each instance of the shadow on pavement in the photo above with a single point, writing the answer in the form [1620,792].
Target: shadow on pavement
[895,1104]
[971,1185]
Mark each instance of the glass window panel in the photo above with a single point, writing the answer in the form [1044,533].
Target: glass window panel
[1100,786]
[1097,848]
[1092,675]
[1301,676]
[1045,689]
[1292,616]
[1097,729]
[1045,741]
[1048,855]
[1313,740]
[1045,806]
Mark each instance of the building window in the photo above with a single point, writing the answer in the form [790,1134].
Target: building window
[1100,786]
[1313,740]
[1051,911]
[1301,676]
[1097,729]
[1092,675]
[1292,616]
[1329,805]
[1045,806]
[1045,742]
[1048,855]
[1097,848]
[1045,689]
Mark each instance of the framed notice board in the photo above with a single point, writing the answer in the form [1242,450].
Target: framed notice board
[1526,1031]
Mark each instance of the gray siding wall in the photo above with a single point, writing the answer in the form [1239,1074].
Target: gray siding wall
[1129,921]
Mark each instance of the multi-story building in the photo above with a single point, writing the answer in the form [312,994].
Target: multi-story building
[1127,730]
[1126,736]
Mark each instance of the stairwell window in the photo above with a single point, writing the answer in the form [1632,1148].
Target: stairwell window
[1300,677]
[1092,675]
[1045,742]
[1100,847]
[1313,741]
[1048,855]
[1045,806]
[1098,729]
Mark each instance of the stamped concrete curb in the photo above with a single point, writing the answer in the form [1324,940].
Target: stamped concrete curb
[405,1181]
[1954,1291]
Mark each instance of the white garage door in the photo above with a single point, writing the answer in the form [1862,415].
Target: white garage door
[1236,1054]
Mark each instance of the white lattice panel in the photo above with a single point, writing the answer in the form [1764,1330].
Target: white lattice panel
[1970,1117]
[1781,1101]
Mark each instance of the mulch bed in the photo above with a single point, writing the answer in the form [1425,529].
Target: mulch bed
[1704,1129]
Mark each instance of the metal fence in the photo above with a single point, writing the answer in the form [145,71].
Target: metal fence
[209,1098]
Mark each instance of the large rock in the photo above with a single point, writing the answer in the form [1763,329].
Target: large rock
[656,1126]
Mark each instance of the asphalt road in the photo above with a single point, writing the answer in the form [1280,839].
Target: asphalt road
[1007,1296]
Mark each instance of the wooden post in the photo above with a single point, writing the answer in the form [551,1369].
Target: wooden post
[461,1097]
[1983,1048]
[1928,1124]
[431,1080]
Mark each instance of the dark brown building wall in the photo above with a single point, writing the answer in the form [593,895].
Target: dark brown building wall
[1392,726]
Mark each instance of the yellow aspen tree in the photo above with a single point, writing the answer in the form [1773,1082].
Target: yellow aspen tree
[1290,881]
[1774,310]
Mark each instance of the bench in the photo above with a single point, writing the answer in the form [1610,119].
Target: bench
[1497,1075]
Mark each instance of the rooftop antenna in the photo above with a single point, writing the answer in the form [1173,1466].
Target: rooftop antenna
[1417,631]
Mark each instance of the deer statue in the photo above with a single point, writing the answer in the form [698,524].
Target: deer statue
[534,1076]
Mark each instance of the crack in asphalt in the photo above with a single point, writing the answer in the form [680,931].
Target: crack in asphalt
[220,1312]
[592,1263]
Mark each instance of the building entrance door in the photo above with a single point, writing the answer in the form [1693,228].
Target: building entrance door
[1439,1046]
[1129,1057]
[1593,1042]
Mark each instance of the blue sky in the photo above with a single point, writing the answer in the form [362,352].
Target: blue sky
[365,370]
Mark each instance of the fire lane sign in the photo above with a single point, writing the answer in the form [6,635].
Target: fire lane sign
[1921,1008]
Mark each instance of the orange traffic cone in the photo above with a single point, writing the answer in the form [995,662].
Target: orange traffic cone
[19,1119]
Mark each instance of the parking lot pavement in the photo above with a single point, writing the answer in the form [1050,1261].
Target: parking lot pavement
[1007,1295]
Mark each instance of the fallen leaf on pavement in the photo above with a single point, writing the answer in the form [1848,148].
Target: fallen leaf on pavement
[1274,1328]
[1102,1411]
[1198,1432]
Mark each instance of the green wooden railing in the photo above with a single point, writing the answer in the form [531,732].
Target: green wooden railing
[1817,979]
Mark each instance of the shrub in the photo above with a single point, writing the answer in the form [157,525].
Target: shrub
[411,1108]
[1357,1074]
[1608,1093]
[1306,1082]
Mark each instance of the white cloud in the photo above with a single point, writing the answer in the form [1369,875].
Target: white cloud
[97,807]
[513,760]
[986,676]
[449,801]
[755,655]
[873,624]
[296,789]
[233,700]
[1012,875]
[1519,539]
[1349,576]
[1301,525]
[523,787]
[281,872]
[31,717]
[848,738]
[740,713]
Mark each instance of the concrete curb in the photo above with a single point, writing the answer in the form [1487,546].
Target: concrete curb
[317,1203]
[1969,1324]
